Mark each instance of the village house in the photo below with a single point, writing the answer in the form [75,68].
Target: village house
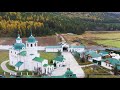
[59,61]
[93,56]
[109,63]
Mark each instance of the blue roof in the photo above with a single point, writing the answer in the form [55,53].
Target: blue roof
[81,46]
[18,64]
[31,39]
[53,47]
[59,58]
[18,46]
[113,62]
[103,53]
[93,54]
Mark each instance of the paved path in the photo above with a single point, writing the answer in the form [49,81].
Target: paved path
[3,66]
[70,63]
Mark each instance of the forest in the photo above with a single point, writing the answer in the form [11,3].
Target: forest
[49,23]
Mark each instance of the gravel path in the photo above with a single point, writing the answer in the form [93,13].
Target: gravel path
[70,63]
[3,66]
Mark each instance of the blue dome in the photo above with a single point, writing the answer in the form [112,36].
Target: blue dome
[18,46]
[31,39]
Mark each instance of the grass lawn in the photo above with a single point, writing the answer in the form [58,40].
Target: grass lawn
[48,55]
[112,43]
[10,67]
[99,72]
[84,63]
[3,56]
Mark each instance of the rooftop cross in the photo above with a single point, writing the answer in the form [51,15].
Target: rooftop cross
[31,31]
[18,35]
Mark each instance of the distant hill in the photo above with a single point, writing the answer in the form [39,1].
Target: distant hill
[48,23]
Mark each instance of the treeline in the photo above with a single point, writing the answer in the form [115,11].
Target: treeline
[41,23]
[48,23]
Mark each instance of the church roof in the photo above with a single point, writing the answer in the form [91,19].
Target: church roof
[18,46]
[31,39]
[23,53]
[18,64]
[38,59]
[69,74]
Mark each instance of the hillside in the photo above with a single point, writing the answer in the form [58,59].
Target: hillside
[48,23]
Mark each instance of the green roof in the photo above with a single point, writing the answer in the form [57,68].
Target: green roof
[18,46]
[23,53]
[93,54]
[81,46]
[103,53]
[18,64]
[45,65]
[31,39]
[38,59]
[69,74]
[59,58]
[53,47]
[18,38]
[113,61]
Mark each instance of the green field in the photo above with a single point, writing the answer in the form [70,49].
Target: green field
[111,36]
[108,39]
[47,55]
[112,43]
[3,56]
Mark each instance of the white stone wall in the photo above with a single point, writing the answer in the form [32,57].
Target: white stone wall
[97,58]
[77,49]
[53,49]
[108,66]
[5,47]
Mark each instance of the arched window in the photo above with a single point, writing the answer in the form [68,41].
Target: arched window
[31,45]
[11,51]
[27,45]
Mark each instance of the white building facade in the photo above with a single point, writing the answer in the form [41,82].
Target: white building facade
[65,47]
[26,57]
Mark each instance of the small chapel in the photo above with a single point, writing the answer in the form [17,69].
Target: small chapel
[26,57]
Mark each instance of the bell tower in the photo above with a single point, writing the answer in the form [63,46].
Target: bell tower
[32,44]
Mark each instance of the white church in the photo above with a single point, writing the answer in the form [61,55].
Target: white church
[26,57]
